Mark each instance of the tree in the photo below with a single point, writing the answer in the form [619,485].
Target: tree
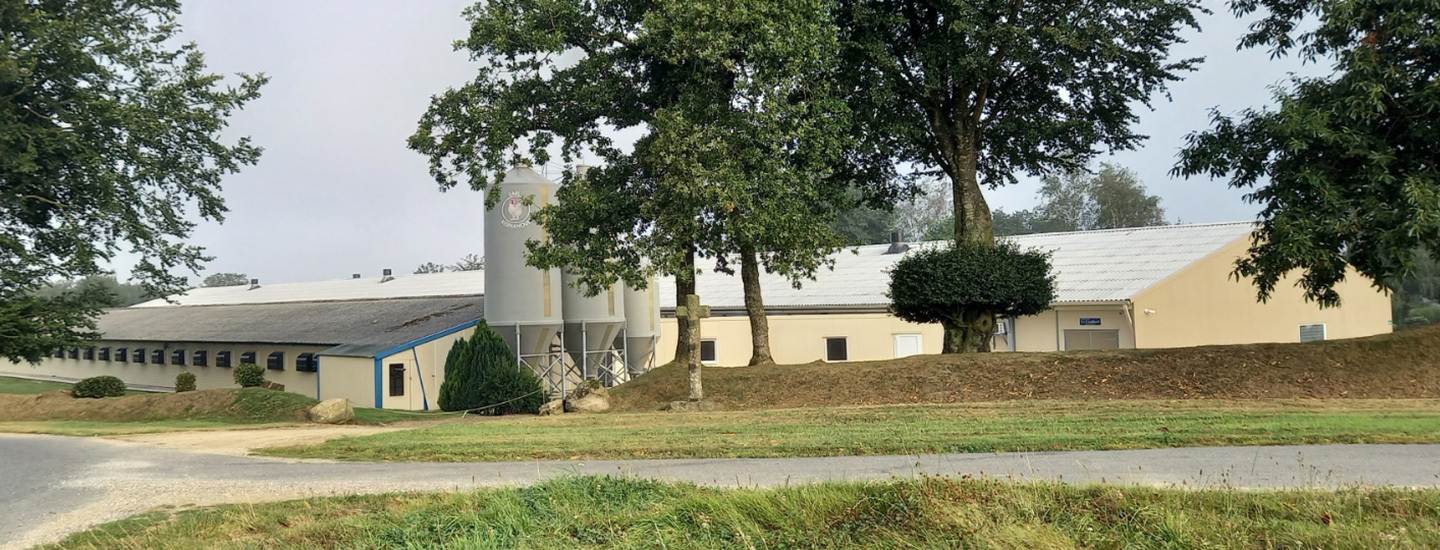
[481,372]
[108,292]
[468,262]
[1113,198]
[1345,168]
[739,161]
[110,133]
[866,225]
[958,285]
[429,267]
[1416,301]
[226,279]
[983,90]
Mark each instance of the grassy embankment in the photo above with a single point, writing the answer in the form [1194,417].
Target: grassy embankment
[1327,392]
[590,512]
[36,407]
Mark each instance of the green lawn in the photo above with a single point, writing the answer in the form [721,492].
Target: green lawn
[606,513]
[86,428]
[23,386]
[901,429]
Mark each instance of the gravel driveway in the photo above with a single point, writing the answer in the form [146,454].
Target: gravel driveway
[53,485]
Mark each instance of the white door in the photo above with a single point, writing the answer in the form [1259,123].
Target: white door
[907,345]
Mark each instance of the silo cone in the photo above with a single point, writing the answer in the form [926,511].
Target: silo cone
[591,323]
[642,327]
[522,303]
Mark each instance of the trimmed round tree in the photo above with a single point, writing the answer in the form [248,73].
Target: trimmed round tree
[961,286]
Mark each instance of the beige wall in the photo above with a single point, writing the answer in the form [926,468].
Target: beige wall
[150,374]
[351,378]
[1203,305]
[429,372]
[801,338]
[1045,332]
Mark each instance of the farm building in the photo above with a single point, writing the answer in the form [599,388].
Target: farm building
[382,342]
[1151,287]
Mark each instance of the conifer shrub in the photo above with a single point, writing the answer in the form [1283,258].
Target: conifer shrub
[184,381]
[99,386]
[249,375]
[481,371]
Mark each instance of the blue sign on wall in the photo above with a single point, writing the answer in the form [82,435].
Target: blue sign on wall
[1090,321]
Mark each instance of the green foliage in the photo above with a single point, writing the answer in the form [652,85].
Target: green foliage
[100,386]
[1112,198]
[955,285]
[110,135]
[469,262]
[111,293]
[226,279]
[1416,298]
[866,225]
[1345,167]
[249,375]
[982,91]
[184,382]
[482,371]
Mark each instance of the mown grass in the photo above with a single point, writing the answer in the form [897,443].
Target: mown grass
[85,428]
[900,429]
[595,512]
[23,386]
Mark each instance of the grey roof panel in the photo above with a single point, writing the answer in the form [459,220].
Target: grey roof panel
[381,324]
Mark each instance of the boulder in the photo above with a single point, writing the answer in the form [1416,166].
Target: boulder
[332,411]
[554,406]
[273,386]
[593,402]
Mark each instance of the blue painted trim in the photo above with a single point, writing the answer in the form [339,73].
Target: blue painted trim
[380,357]
[424,397]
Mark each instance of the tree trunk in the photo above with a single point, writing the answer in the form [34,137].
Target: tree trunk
[974,225]
[755,308]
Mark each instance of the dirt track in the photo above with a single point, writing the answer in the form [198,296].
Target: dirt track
[241,442]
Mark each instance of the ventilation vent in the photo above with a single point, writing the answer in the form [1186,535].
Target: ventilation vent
[1312,333]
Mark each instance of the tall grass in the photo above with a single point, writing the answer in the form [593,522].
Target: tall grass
[595,512]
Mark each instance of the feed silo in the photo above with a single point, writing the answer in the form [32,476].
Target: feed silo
[522,303]
[591,325]
[642,327]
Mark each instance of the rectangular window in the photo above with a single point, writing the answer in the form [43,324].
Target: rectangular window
[139,355]
[177,357]
[397,379]
[837,349]
[157,357]
[201,358]
[707,352]
[276,361]
[104,354]
[122,354]
[1092,339]
[59,353]
[90,353]
[247,358]
[1312,333]
[74,353]
[307,362]
[222,358]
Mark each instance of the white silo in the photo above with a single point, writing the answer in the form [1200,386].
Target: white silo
[642,327]
[522,303]
[591,325]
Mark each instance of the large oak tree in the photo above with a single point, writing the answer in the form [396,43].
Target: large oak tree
[983,90]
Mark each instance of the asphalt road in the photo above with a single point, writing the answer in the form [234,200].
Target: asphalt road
[50,486]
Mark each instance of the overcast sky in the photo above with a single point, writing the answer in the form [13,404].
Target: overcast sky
[337,192]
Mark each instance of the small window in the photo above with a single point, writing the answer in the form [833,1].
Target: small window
[222,358]
[122,354]
[59,353]
[74,353]
[276,360]
[201,359]
[139,355]
[837,349]
[247,358]
[177,357]
[1312,333]
[90,353]
[104,354]
[707,352]
[157,357]
[307,362]
[397,379]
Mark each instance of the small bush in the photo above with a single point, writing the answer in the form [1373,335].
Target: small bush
[99,386]
[184,381]
[249,375]
[482,371]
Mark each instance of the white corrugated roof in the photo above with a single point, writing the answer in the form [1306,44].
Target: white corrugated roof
[1089,266]
[458,283]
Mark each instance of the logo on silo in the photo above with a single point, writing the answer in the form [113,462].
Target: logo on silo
[514,213]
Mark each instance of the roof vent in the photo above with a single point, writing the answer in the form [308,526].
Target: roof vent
[896,245]
[355,276]
[254,284]
[386,276]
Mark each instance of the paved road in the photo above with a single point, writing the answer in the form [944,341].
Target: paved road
[55,485]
